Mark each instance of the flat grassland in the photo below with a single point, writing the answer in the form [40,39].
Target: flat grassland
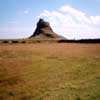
[50,71]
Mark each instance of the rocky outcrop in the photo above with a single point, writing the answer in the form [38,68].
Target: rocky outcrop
[44,32]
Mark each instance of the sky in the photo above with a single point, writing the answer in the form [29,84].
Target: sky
[73,19]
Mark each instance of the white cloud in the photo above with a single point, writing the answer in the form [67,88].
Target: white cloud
[15,32]
[26,11]
[72,23]
[12,22]
[95,19]
[71,10]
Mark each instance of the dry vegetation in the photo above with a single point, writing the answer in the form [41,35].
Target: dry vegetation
[50,71]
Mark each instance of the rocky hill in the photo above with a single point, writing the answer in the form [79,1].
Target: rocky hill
[44,32]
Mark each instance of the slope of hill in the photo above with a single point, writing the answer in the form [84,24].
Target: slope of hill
[44,32]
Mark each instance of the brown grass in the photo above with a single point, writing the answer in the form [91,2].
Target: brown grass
[50,71]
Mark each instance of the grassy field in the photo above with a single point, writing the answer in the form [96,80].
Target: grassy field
[50,71]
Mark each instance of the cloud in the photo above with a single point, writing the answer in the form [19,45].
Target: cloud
[13,22]
[71,10]
[15,32]
[72,23]
[95,19]
[26,11]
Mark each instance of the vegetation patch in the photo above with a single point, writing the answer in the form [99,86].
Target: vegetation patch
[50,72]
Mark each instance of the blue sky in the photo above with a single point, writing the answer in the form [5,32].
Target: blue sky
[73,19]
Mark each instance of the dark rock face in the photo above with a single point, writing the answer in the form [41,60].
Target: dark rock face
[40,26]
[44,31]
